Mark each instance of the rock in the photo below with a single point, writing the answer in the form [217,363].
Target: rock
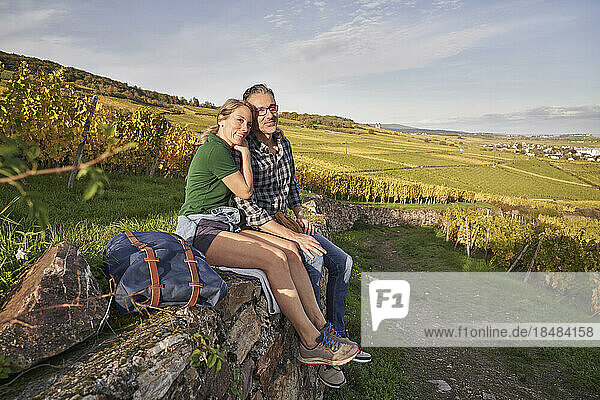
[138,364]
[488,396]
[247,372]
[340,217]
[257,396]
[268,362]
[152,360]
[164,362]
[244,333]
[238,293]
[286,383]
[52,308]
[217,384]
[187,386]
[441,385]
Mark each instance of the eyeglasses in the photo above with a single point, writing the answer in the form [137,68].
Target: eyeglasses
[263,111]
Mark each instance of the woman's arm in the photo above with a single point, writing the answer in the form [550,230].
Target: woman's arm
[240,183]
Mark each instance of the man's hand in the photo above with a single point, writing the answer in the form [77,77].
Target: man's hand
[308,244]
[304,223]
[306,226]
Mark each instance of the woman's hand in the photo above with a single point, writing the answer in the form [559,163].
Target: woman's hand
[242,147]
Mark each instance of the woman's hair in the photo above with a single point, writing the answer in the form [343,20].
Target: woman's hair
[226,109]
[259,88]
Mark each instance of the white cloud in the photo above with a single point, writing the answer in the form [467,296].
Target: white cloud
[12,23]
[544,119]
[371,45]
[278,19]
[447,4]
[550,113]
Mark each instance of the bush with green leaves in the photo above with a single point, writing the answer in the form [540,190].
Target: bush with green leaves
[4,366]
[205,353]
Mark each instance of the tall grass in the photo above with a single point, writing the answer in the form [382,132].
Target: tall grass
[130,203]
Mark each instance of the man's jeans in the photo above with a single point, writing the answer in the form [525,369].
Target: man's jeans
[339,265]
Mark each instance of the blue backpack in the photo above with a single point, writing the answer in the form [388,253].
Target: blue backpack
[160,269]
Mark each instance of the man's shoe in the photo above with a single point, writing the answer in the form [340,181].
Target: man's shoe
[332,377]
[329,350]
[362,357]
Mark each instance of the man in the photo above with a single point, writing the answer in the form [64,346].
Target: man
[276,190]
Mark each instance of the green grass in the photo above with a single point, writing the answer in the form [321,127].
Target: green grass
[543,168]
[501,181]
[131,203]
[589,171]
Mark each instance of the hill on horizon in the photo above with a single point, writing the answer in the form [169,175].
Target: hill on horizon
[87,81]
[411,129]
[92,83]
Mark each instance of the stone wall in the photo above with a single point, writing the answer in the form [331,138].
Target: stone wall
[152,361]
[340,217]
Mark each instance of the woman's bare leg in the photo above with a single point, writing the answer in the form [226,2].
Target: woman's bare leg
[298,273]
[243,251]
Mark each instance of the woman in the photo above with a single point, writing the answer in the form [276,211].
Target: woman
[212,179]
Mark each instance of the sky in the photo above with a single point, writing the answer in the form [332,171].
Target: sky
[528,66]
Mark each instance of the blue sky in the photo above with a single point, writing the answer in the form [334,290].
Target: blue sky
[530,66]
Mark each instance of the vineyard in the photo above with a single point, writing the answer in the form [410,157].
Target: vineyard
[546,244]
[44,110]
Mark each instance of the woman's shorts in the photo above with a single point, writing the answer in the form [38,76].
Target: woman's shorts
[206,231]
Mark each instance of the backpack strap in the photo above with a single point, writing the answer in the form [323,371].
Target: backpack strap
[191,263]
[152,261]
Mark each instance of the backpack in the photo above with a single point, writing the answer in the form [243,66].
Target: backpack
[159,269]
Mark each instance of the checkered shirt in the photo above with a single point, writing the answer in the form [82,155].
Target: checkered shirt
[275,186]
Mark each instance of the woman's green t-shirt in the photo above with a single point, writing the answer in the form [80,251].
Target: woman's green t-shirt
[204,189]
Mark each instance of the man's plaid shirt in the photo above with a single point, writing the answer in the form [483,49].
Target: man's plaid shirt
[275,186]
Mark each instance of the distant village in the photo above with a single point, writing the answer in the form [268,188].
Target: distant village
[554,152]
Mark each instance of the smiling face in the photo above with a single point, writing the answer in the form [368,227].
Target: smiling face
[263,101]
[234,128]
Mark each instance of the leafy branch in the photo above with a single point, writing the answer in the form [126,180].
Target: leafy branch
[18,161]
[213,357]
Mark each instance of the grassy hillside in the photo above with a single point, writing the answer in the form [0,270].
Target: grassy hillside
[460,162]
[337,143]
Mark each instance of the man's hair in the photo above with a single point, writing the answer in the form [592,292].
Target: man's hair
[259,88]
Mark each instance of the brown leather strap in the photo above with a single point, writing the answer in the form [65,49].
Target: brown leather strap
[152,261]
[191,262]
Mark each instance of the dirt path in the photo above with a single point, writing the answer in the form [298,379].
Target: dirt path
[476,373]
[459,372]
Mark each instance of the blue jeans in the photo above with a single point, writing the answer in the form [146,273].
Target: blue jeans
[339,265]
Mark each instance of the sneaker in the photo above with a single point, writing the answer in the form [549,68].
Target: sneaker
[330,330]
[330,376]
[362,357]
[329,350]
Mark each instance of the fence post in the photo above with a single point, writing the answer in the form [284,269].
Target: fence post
[79,152]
